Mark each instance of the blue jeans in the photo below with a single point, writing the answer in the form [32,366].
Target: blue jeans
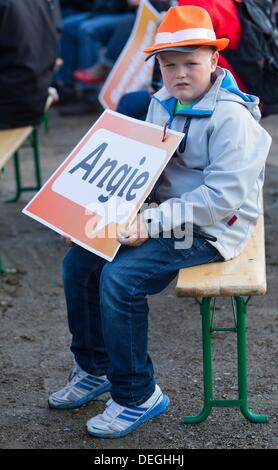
[135,104]
[70,46]
[108,309]
[83,37]
[119,37]
[69,11]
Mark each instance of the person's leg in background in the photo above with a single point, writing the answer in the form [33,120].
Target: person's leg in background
[94,35]
[69,11]
[70,48]
[89,39]
[118,37]
[135,104]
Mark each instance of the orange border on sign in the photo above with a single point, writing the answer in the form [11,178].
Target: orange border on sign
[68,217]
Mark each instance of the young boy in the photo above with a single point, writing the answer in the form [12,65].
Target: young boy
[218,170]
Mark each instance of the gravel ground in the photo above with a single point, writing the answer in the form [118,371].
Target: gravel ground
[35,357]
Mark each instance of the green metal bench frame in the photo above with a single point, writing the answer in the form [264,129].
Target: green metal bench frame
[2,267]
[240,311]
[34,142]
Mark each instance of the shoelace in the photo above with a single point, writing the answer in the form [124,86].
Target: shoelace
[74,371]
[74,380]
[76,375]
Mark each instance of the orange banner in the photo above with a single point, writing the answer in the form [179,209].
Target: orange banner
[131,72]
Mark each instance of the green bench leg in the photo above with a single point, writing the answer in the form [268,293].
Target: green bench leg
[207,331]
[2,267]
[207,365]
[4,270]
[36,150]
[17,174]
[36,155]
[46,122]
[241,310]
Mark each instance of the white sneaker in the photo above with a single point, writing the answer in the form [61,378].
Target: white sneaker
[81,388]
[118,420]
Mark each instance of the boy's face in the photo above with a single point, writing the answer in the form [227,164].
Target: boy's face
[187,75]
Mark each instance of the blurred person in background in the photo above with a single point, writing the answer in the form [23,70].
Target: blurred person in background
[73,7]
[84,34]
[120,34]
[275,10]
[120,31]
[29,48]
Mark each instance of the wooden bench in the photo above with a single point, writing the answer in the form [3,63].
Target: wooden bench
[10,142]
[242,276]
[12,139]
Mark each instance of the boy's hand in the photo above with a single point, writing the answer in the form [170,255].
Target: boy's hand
[136,234]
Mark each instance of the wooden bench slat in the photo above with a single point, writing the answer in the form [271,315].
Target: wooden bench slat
[11,140]
[243,275]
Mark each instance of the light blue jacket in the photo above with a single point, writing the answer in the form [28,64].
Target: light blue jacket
[221,171]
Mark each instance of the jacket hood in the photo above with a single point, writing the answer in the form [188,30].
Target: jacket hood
[224,88]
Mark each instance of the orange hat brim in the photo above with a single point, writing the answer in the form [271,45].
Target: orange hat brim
[220,44]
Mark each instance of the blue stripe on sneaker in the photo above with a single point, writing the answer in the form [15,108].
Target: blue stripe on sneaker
[142,408]
[90,382]
[155,410]
[127,418]
[95,379]
[83,386]
[85,399]
[133,412]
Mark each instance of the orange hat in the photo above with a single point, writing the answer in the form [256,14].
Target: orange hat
[185,26]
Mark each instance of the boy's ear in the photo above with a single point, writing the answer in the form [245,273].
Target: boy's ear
[214,60]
